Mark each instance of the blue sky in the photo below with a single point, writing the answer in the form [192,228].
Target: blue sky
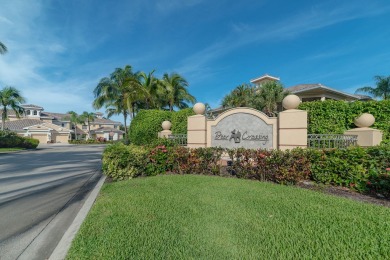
[59,50]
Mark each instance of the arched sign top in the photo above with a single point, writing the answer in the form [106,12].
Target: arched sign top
[245,110]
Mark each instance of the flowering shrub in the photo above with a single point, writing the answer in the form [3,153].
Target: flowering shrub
[160,160]
[361,169]
[285,167]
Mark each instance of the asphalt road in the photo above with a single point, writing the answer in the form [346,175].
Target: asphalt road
[41,192]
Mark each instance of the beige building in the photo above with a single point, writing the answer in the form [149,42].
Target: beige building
[50,127]
[313,91]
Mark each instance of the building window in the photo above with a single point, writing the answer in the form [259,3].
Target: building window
[84,127]
[62,124]
[115,126]
[35,112]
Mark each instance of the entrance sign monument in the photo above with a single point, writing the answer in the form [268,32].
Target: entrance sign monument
[249,128]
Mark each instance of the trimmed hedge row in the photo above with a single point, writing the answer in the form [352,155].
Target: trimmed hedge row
[10,139]
[364,170]
[147,123]
[335,117]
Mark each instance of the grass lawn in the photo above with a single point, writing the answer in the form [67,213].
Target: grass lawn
[206,217]
[10,149]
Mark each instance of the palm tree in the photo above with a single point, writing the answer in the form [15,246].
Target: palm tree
[176,93]
[241,96]
[269,95]
[74,119]
[3,48]
[88,117]
[110,92]
[10,98]
[149,87]
[382,89]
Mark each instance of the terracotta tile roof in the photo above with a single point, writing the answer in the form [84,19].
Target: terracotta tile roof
[107,129]
[58,116]
[305,87]
[18,125]
[105,121]
[301,87]
[25,106]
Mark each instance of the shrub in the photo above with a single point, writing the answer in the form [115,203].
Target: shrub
[335,117]
[379,184]
[179,120]
[9,139]
[160,160]
[285,167]
[124,161]
[146,124]
[361,169]
[99,140]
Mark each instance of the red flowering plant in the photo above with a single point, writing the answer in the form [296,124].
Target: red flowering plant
[160,160]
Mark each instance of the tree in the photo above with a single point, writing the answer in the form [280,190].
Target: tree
[74,119]
[175,91]
[150,88]
[265,97]
[269,95]
[241,96]
[88,118]
[10,98]
[3,48]
[111,92]
[382,89]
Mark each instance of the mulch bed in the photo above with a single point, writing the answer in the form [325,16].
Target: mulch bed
[347,193]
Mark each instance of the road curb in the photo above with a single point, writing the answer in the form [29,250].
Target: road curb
[63,246]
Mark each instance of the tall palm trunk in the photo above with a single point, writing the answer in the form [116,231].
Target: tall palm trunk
[3,116]
[89,130]
[75,131]
[125,120]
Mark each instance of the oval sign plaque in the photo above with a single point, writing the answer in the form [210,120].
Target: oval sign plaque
[242,130]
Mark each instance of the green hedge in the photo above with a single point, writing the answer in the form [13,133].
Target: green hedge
[362,169]
[10,139]
[147,123]
[179,120]
[335,117]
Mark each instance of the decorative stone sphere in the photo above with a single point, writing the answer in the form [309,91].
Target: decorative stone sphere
[166,125]
[199,108]
[364,120]
[291,102]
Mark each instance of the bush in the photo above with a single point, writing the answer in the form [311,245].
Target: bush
[147,123]
[285,167]
[335,117]
[99,140]
[124,161]
[179,120]
[361,169]
[9,139]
